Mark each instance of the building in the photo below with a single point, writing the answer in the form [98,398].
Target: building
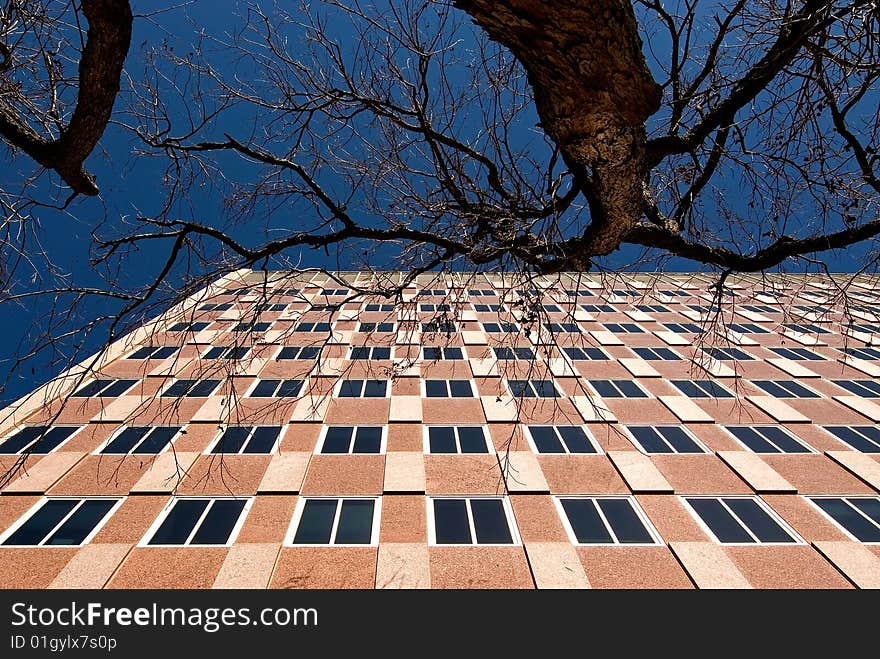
[571,432]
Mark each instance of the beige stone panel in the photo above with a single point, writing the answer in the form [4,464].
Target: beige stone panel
[285,472]
[752,315]
[405,408]
[556,565]
[523,472]
[863,365]
[562,368]
[860,464]
[91,567]
[171,366]
[709,565]
[639,368]
[857,562]
[247,565]
[403,565]
[500,408]
[120,409]
[215,408]
[793,368]
[739,339]
[483,366]
[584,316]
[672,339]
[640,474]
[404,472]
[311,409]
[593,409]
[685,409]
[41,475]
[802,338]
[474,338]
[777,409]
[205,336]
[166,472]
[606,338]
[638,316]
[861,405]
[754,471]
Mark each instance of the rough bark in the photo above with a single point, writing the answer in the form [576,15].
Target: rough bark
[593,93]
[100,67]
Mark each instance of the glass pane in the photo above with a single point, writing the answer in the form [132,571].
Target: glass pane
[217,526]
[204,388]
[649,439]
[290,388]
[157,440]
[118,388]
[375,388]
[720,521]
[41,522]
[451,522]
[232,440]
[849,518]
[91,389]
[263,440]
[679,439]
[180,522]
[355,522]
[80,524]
[265,389]
[126,440]
[368,440]
[624,521]
[545,439]
[52,439]
[337,440]
[435,388]
[316,522]
[545,388]
[758,521]
[178,388]
[585,521]
[753,440]
[472,440]
[490,522]
[783,440]
[857,439]
[870,507]
[576,439]
[441,440]
[630,389]
[21,439]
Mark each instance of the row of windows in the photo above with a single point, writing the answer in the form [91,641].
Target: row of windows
[533,388]
[606,520]
[433,353]
[651,439]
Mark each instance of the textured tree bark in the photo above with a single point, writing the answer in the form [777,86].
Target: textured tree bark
[100,67]
[593,92]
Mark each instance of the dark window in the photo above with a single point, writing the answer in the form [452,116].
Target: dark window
[618,389]
[799,354]
[363,388]
[561,439]
[454,518]
[533,388]
[297,352]
[65,522]
[188,327]
[456,439]
[153,352]
[141,440]
[247,439]
[193,521]
[767,439]
[860,516]
[605,520]
[277,389]
[727,353]
[785,389]
[104,388]
[37,439]
[656,354]
[735,520]
[664,439]
[252,327]
[862,438]
[505,353]
[437,353]
[701,389]
[352,439]
[448,389]
[191,388]
[336,522]
[863,388]
[585,354]
[224,352]
[370,352]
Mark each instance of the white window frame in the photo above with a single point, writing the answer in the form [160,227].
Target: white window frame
[776,381]
[640,513]
[123,428]
[423,388]
[129,354]
[257,380]
[323,436]
[654,349]
[752,426]
[687,431]
[584,348]
[175,379]
[845,444]
[858,383]
[208,348]
[249,501]
[39,504]
[464,355]
[351,347]
[726,349]
[85,383]
[508,514]
[337,388]
[426,446]
[394,326]
[6,436]
[275,357]
[809,498]
[588,382]
[798,540]
[224,427]
[301,505]
[551,380]
[293,329]
[516,358]
[623,322]
[527,433]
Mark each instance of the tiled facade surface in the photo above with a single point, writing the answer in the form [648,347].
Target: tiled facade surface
[652,459]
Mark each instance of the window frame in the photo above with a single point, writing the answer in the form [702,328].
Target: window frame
[337,388]
[464,354]
[726,427]
[322,437]
[175,379]
[552,380]
[639,511]
[591,438]
[166,510]
[687,431]
[849,446]
[838,525]
[111,380]
[300,508]
[426,443]
[116,433]
[277,356]
[26,516]
[257,380]
[516,541]
[225,426]
[17,429]
[370,358]
[423,388]
[776,382]
[589,383]
[798,540]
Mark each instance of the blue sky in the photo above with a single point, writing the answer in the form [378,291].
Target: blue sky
[132,186]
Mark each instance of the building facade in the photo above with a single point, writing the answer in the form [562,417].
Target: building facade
[284,430]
